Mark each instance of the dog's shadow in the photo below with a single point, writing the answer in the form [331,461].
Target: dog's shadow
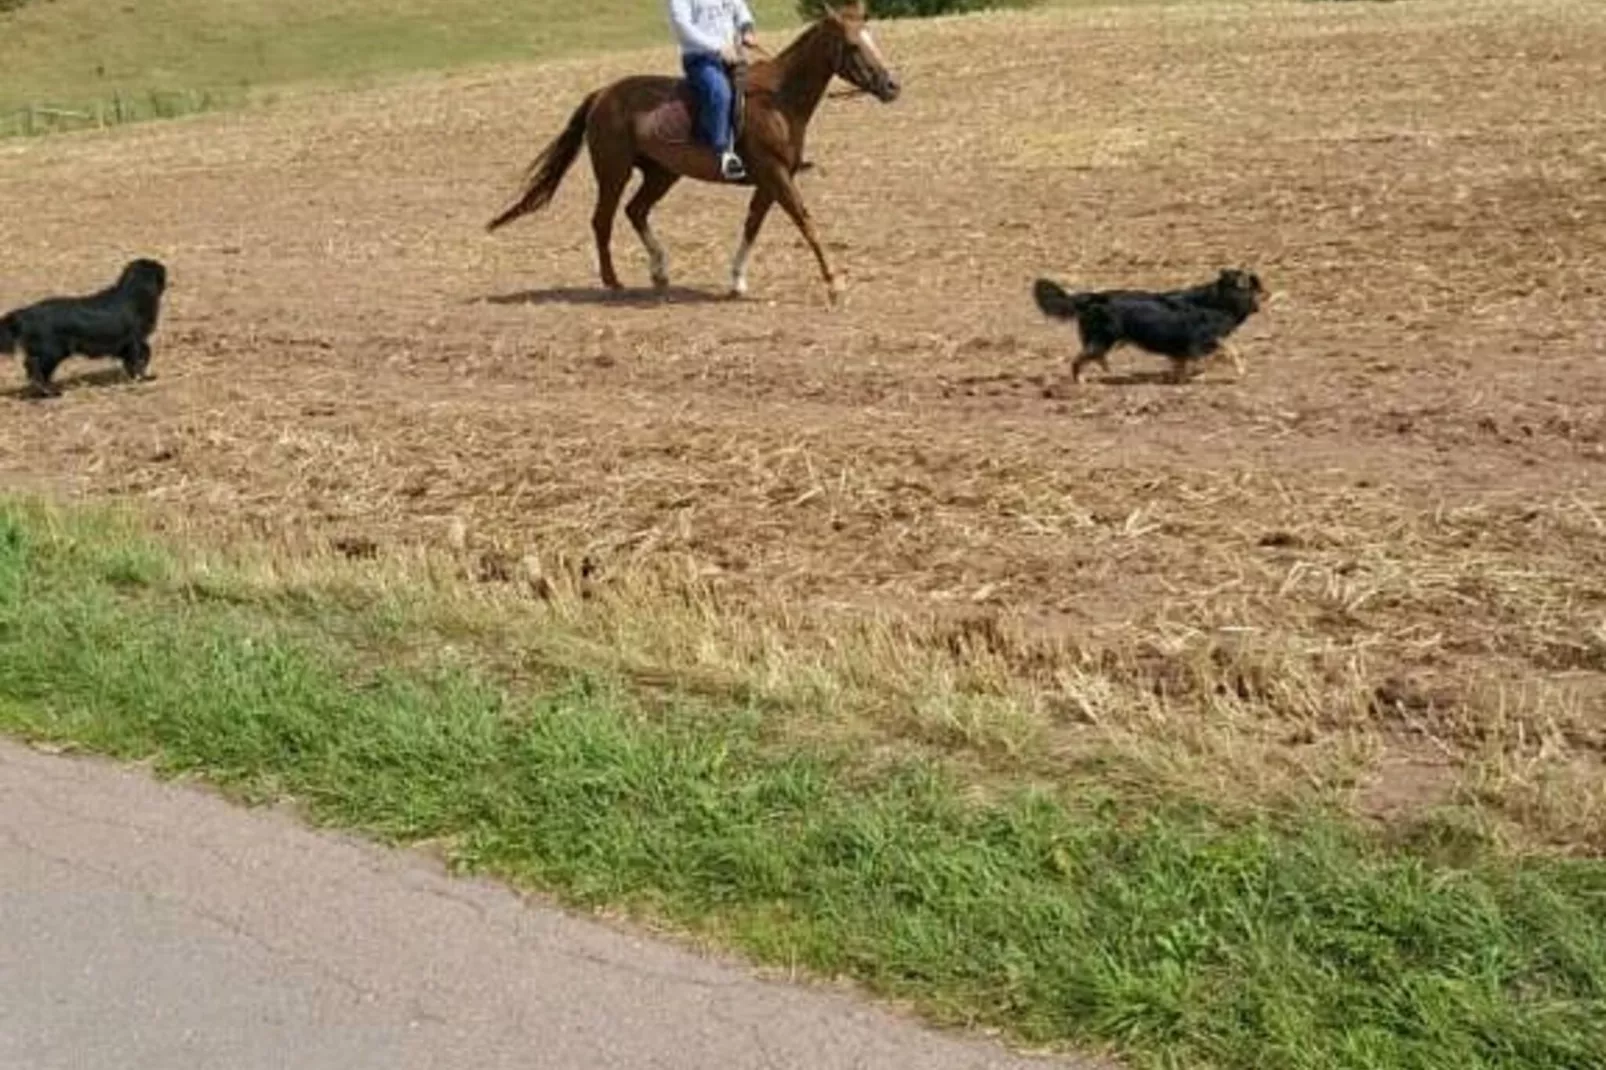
[1157,379]
[577,295]
[98,379]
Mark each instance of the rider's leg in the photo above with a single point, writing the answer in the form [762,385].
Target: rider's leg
[712,88]
[730,164]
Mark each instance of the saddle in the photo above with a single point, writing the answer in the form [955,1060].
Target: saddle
[738,75]
[672,122]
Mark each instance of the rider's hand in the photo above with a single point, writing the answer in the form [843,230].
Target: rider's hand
[749,38]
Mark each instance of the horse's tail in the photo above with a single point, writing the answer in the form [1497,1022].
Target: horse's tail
[547,171]
[9,329]
[1055,301]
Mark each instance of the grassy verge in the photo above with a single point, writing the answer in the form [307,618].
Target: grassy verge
[1084,913]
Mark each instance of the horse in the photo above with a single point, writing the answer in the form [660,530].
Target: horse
[644,123]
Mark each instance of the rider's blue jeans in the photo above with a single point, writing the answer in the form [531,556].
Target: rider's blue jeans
[712,88]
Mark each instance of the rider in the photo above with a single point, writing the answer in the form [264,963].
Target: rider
[711,35]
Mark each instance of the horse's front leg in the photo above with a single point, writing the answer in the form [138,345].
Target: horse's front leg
[784,190]
[757,209]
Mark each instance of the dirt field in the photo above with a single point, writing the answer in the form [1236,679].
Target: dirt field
[1406,495]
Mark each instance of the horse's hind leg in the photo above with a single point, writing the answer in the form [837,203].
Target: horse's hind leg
[655,182]
[612,168]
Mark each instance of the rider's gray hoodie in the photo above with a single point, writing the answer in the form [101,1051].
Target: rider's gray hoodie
[707,26]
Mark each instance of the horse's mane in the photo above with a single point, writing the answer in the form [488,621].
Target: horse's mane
[764,75]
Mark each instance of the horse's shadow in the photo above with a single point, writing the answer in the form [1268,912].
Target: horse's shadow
[578,295]
[94,380]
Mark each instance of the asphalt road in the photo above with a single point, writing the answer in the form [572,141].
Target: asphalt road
[150,926]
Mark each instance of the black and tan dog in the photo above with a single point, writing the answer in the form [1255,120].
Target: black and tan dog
[1188,326]
[115,322]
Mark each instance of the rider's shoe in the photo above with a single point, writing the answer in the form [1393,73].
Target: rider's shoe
[731,167]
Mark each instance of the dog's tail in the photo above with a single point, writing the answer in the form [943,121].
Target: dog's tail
[1055,301]
[9,328]
[546,173]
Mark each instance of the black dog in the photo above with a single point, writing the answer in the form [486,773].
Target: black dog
[116,322]
[1184,325]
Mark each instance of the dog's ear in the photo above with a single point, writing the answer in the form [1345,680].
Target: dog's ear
[154,273]
[1239,279]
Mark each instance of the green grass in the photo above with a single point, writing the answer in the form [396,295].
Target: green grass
[72,64]
[1085,915]
[86,56]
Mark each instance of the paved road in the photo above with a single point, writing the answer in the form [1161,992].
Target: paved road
[147,926]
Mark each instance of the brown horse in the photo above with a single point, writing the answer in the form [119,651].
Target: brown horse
[645,122]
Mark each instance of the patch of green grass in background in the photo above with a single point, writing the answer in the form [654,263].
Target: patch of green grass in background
[75,62]
[1088,916]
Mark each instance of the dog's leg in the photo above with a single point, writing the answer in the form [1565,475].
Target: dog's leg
[40,364]
[136,356]
[1179,369]
[1083,359]
[1237,358]
[1092,353]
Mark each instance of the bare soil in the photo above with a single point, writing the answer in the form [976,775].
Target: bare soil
[1414,467]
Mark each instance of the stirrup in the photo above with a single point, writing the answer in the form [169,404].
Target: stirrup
[731,167]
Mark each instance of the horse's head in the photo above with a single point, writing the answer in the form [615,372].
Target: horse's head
[859,60]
